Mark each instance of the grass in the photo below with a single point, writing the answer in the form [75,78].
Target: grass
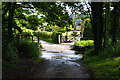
[106,64]
[106,68]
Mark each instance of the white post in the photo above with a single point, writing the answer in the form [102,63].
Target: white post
[59,38]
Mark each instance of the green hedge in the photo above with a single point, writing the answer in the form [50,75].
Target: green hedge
[43,35]
[48,36]
[55,36]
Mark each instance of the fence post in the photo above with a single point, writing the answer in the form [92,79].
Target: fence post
[65,38]
[59,39]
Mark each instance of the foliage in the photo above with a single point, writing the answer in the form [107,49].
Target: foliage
[69,28]
[55,13]
[84,43]
[70,33]
[111,51]
[48,28]
[74,33]
[58,29]
[28,49]
[88,34]
[27,31]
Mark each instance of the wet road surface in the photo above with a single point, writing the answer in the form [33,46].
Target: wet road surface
[60,62]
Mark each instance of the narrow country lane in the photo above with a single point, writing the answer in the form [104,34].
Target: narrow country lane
[60,62]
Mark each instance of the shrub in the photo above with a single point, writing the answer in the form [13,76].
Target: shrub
[28,49]
[84,43]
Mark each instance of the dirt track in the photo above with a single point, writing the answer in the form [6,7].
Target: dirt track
[61,68]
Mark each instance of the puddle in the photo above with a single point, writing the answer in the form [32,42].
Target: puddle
[54,51]
[67,58]
[60,56]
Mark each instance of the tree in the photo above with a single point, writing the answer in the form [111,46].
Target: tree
[115,22]
[9,8]
[97,25]
[107,6]
[55,13]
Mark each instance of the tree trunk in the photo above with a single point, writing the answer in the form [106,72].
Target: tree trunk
[106,24]
[97,25]
[115,23]
[10,18]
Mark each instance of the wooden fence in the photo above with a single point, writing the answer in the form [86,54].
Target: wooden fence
[61,38]
[19,36]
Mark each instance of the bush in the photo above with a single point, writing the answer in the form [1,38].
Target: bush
[84,43]
[28,49]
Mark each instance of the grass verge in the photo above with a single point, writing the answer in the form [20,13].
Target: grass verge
[103,66]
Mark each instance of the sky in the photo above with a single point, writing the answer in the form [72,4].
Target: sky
[85,8]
